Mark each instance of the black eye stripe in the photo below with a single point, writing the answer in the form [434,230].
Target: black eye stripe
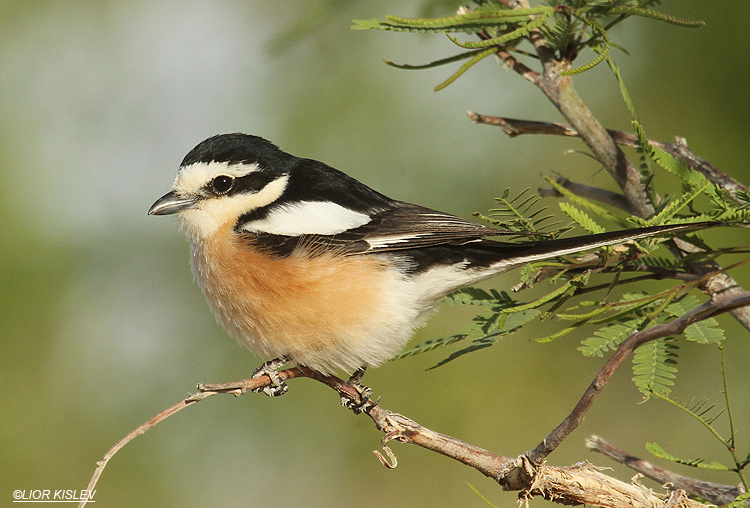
[253,182]
[226,185]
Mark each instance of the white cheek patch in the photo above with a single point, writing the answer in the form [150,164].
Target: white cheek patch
[308,218]
[212,213]
[192,178]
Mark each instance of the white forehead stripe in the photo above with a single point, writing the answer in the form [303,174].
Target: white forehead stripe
[212,213]
[193,177]
[308,218]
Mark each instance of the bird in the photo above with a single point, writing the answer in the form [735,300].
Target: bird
[305,265]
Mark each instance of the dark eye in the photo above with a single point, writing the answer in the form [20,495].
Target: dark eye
[222,184]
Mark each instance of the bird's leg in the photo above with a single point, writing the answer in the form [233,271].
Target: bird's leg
[364,405]
[271,369]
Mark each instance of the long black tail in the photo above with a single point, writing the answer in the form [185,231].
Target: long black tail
[522,253]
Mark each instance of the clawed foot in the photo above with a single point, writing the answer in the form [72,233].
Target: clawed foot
[271,369]
[364,405]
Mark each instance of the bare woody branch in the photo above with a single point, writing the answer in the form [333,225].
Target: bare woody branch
[514,127]
[605,149]
[721,283]
[577,484]
[610,198]
[714,492]
[718,304]
[560,91]
[527,474]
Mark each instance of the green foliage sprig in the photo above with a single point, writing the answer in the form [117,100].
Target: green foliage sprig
[559,31]
[706,414]
[570,26]
[655,363]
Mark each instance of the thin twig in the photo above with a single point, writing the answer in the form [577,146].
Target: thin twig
[204,392]
[718,304]
[561,92]
[610,198]
[578,484]
[394,425]
[513,63]
[720,284]
[514,127]
[714,492]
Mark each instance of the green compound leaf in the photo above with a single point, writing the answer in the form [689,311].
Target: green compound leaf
[430,345]
[667,162]
[659,452]
[511,324]
[705,332]
[476,296]
[485,326]
[653,366]
[593,63]
[740,502]
[702,332]
[485,18]
[648,13]
[465,67]
[436,63]
[682,305]
[581,218]
[374,24]
[608,338]
[470,22]
[676,205]
[585,203]
[520,213]
[603,52]
[507,37]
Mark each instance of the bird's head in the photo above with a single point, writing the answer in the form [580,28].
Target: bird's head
[222,179]
[250,183]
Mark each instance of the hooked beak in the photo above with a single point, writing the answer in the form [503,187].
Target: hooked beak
[171,203]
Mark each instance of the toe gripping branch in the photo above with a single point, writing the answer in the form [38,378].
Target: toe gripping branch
[358,400]
[364,404]
[271,369]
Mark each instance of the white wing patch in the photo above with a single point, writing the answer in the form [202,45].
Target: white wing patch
[308,218]
[387,241]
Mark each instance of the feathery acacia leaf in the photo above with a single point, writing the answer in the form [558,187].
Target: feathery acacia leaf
[653,366]
[585,203]
[705,332]
[608,338]
[603,51]
[465,67]
[507,37]
[648,13]
[511,324]
[436,63]
[581,218]
[659,452]
[473,17]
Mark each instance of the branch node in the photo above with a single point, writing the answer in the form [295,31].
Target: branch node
[519,474]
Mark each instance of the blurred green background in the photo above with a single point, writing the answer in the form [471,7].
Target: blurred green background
[102,326]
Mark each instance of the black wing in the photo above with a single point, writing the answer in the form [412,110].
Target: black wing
[401,227]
